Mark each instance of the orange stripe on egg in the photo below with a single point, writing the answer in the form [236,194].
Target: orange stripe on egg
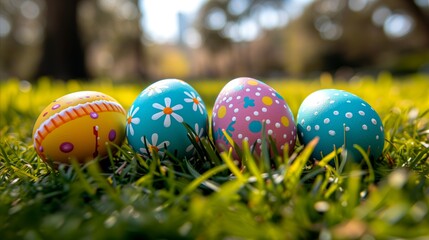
[79,111]
[50,126]
[43,133]
[115,107]
[110,107]
[90,108]
[72,113]
[101,106]
[87,110]
[57,121]
[64,117]
[95,108]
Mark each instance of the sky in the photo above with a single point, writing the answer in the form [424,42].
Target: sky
[160,16]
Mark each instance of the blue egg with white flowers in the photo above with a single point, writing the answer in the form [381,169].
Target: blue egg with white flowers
[155,121]
[341,120]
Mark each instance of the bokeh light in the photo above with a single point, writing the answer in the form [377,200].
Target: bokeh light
[398,25]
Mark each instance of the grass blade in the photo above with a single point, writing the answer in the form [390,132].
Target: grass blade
[294,171]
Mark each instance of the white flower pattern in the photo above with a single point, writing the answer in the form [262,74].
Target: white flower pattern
[155,89]
[196,100]
[153,145]
[199,134]
[132,120]
[168,111]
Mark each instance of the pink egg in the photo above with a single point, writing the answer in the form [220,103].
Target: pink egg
[242,108]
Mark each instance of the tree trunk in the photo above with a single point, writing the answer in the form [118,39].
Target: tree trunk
[63,55]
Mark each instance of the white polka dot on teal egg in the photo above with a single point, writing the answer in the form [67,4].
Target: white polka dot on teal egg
[340,119]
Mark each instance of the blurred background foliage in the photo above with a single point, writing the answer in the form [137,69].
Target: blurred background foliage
[83,39]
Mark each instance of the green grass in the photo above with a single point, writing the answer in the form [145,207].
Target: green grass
[126,197]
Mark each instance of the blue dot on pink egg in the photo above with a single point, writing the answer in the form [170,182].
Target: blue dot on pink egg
[255,126]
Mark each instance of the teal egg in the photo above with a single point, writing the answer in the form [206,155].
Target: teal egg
[155,121]
[340,119]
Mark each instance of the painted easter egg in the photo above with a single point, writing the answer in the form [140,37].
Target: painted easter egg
[78,126]
[243,107]
[155,121]
[340,119]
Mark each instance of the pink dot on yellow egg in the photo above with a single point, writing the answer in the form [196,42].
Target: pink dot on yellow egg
[66,147]
[285,121]
[112,135]
[93,115]
[221,112]
[252,82]
[267,100]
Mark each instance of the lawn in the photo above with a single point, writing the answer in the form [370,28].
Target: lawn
[127,197]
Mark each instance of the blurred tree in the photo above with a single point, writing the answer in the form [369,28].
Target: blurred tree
[21,34]
[112,33]
[336,35]
[63,55]
[71,39]
[228,28]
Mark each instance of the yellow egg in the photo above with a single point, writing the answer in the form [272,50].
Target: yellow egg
[79,126]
